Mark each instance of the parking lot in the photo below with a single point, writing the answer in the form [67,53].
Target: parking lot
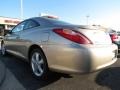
[18,77]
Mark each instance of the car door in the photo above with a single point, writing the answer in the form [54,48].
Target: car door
[12,39]
[16,41]
[26,35]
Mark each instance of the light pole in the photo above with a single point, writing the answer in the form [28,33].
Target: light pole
[87,17]
[21,9]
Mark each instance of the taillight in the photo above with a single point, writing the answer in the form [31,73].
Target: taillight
[114,37]
[73,35]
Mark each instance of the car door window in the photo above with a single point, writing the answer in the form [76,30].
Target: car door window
[31,24]
[19,27]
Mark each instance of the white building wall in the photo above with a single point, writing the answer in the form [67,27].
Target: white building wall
[9,21]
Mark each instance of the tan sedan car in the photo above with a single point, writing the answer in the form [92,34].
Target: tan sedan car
[51,44]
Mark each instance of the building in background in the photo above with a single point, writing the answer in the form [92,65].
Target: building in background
[7,23]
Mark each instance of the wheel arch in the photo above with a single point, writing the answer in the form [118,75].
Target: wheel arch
[35,47]
[46,68]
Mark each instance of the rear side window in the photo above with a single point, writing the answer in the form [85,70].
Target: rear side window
[31,24]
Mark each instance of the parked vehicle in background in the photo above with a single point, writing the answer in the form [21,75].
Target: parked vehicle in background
[50,44]
[115,38]
[118,33]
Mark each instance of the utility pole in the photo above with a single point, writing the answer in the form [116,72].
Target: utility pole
[21,9]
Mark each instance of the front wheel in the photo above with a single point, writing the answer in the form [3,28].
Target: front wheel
[3,49]
[38,64]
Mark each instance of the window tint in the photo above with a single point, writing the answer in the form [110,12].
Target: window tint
[31,24]
[19,27]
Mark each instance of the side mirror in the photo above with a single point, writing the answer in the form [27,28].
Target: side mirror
[8,32]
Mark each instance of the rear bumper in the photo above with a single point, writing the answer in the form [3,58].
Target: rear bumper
[80,59]
[103,57]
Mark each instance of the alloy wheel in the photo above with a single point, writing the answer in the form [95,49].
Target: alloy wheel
[37,63]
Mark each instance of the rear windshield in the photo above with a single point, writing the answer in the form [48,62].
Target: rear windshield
[58,22]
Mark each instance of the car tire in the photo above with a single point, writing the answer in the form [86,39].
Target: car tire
[38,64]
[3,49]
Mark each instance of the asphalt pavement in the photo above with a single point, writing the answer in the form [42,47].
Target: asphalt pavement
[18,77]
[2,72]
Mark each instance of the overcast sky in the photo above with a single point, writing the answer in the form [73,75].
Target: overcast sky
[101,12]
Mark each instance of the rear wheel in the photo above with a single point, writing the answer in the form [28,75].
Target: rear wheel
[38,64]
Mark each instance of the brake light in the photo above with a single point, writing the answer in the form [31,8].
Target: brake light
[73,35]
[114,37]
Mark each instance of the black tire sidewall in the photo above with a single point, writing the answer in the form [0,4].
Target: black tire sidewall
[45,66]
